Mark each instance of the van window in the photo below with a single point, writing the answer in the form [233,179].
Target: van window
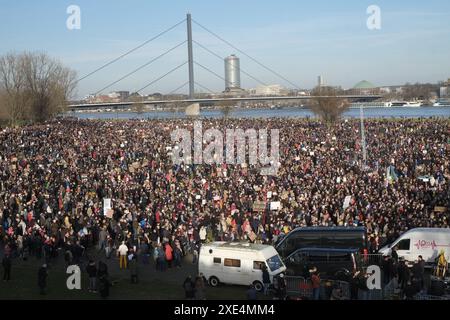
[307,239]
[274,263]
[340,257]
[258,265]
[217,260]
[232,263]
[318,256]
[404,244]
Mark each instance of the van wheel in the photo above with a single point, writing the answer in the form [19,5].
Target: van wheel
[258,286]
[214,282]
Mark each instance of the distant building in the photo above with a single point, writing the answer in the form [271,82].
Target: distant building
[320,82]
[270,90]
[444,90]
[123,95]
[232,73]
[104,99]
[114,95]
[364,87]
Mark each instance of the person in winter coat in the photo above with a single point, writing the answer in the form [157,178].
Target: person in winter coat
[169,254]
[6,263]
[265,279]
[42,279]
[122,253]
[189,288]
[133,266]
[177,256]
[91,270]
[104,285]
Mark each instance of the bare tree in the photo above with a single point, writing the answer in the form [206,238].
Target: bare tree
[421,91]
[14,101]
[34,86]
[136,106]
[226,108]
[326,104]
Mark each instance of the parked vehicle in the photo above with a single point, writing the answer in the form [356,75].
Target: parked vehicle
[238,263]
[323,237]
[427,242]
[333,264]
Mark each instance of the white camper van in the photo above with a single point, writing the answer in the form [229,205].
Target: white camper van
[238,263]
[426,242]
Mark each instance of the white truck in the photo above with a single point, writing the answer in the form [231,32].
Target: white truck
[427,242]
[238,263]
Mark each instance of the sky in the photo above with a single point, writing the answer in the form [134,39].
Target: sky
[298,39]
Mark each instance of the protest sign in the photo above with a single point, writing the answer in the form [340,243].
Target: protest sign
[346,202]
[275,205]
[106,205]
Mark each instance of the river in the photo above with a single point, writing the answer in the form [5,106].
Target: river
[287,112]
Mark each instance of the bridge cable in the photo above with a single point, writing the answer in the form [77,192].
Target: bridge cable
[130,51]
[173,91]
[203,87]
[161,77]
[141,67]
[248,56]
[221,58]
[209,70]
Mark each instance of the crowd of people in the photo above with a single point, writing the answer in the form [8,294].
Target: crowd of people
[54,178]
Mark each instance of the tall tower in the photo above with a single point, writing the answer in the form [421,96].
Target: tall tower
[320,81]
[232,73]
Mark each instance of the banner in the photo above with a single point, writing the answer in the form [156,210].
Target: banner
[259,206]
[106,205]
[347,202]
[275,205]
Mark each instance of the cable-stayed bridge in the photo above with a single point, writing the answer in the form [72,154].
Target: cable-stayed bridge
[191,83]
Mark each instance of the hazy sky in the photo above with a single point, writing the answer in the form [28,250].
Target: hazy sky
[298,39]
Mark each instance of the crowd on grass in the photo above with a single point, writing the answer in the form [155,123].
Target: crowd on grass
[55,176]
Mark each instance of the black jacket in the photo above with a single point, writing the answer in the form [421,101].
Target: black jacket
[265,276]
[91,269]
[42,277]
[6,262]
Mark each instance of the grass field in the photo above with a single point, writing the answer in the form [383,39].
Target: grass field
[153,285]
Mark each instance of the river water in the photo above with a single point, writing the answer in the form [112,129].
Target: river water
[287,112]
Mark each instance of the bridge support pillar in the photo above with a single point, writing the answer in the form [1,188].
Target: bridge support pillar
[190,56]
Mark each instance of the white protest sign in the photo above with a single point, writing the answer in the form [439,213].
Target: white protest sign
[347,202]
[106,205]
[275,205]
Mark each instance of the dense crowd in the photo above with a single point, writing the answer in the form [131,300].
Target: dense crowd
[55,176]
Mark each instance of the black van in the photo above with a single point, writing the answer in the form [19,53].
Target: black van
[333,264]
[323,237]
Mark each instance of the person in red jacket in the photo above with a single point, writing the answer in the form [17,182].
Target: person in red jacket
[315,279]
[169,256]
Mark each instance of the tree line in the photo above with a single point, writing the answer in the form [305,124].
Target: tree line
[33,87]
